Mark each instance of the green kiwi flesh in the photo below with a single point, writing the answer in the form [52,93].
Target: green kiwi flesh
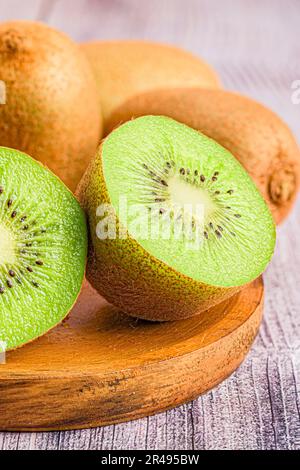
[160,165]
[43,246]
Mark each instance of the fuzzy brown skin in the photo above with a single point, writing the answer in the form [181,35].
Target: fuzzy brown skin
[125,68]
[255,135]
[129,277]
[52,109]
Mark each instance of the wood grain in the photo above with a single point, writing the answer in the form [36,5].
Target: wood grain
[255,48]
[101,367]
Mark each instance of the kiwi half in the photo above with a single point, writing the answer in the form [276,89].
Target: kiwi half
[43,245]
[256,136]
[160,166]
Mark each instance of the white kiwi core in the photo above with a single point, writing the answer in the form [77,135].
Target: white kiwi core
[191,197]
[7,246]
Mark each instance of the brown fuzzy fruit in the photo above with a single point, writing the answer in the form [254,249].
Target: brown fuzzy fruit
[52,108]
[124,68]
[256,136]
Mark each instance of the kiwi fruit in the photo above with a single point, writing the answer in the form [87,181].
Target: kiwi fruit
[43,247]
[125,68]
[195,259]
[255,135]
[52,110]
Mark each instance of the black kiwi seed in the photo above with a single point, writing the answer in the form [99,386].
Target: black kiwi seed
[29,269]
[216,173]
[145,166]
[196,172]
[206,235]
[35,284]
[219,235]
[11,273]
[230,191]
[9,284]
[13,214]
[157,199]
[23,218]
[168,164]
[220,228]
[211,225]
[161,211]
[217,192]
[214,178]
[202,178]
[39,262]
[9,202]
[1,190]
[164,183]
[227,207]
[2,289]
[182,171]
[238,216]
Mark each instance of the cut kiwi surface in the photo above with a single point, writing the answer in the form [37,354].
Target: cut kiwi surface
[187,181]
[45,74]
[43,245]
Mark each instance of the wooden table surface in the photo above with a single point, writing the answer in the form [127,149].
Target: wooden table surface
[255,47]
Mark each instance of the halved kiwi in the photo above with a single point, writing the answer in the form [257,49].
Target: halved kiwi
[43,245]
[161,167]
[254,134]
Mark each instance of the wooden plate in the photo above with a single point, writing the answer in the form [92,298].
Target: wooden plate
[101,367]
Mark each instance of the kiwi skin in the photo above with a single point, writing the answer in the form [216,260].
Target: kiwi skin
[255,135]
[129,277]
[52,111]
[125,68]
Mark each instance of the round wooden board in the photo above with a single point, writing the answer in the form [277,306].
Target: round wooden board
[101,367]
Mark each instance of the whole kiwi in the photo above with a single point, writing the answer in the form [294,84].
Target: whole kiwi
[125,68]
[52,108]
[254,134]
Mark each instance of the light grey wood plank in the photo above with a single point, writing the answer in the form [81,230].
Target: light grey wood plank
[157,432]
